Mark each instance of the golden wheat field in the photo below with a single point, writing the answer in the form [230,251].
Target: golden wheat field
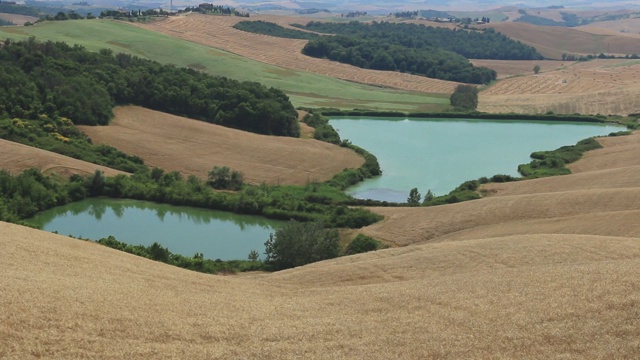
[604,86]
[17,158]
[194,147]
[553,41]
[536,270]
[218,32]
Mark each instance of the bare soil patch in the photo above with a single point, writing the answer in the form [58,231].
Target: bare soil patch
[218,32]
[17,158]
[195,147]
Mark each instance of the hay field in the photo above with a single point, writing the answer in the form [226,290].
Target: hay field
[509,68]
[195,147]
[553,41]
[218,32]
[508,280]
[597,86]
[17,19]
[17,158]
[601,197]
[624,27]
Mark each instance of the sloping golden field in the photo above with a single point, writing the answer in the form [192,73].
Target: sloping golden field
[194,147]
[17,158]
[602,86]
[553,41]
[218,32]
[540,269]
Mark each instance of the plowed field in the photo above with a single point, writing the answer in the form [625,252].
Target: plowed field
[195,147]
[218,32]
[540,269]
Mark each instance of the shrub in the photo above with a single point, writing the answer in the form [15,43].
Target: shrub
[361,244]
[297,244]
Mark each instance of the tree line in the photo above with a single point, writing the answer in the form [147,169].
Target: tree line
[57,79]
[487,44]
[428,51]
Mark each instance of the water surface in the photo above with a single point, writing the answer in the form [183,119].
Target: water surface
[184,230]
[440,154]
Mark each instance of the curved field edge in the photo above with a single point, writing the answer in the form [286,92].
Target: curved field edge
[303,88]
[514,296]
[193,148]
[18,157]
[591,193]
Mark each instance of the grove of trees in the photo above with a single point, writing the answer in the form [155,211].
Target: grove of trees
[57,79]
[430,51]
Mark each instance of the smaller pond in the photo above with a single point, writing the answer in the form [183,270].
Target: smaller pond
[184,230]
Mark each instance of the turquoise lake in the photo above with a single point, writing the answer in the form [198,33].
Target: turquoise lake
[440,154]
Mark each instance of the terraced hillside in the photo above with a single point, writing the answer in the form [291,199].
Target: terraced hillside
[195,147]
[541,269]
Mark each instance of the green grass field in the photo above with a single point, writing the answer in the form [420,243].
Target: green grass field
[304,89]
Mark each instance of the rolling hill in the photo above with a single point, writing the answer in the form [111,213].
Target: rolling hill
[532,271]
[195,147]
[17,158]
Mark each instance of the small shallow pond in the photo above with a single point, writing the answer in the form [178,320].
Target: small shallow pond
[183,230]
[440,154]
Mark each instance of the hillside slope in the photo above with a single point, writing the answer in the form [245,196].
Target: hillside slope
[195,147]
[540,269]
[218,32]
[527,296]
[553,41]
[17,158]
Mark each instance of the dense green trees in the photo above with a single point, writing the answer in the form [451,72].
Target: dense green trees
[464,97]
[416,48]
[429,61]
[297,244]
[429,51]
[268,28]
[361,244]
[61,80]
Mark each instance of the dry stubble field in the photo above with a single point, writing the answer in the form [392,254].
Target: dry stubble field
[17,158]
[218,32]
[561,87]
[195,147]
[537,270]
[610,86]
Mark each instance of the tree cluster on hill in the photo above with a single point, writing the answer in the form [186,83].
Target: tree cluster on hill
[18,9]
[5,23]
[269,28]
[132,14]
[487,44]
[431,62]
[61,80]
[429,51]
[206,8]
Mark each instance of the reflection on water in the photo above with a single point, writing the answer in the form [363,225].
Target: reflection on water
[184,230]
[440,154]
